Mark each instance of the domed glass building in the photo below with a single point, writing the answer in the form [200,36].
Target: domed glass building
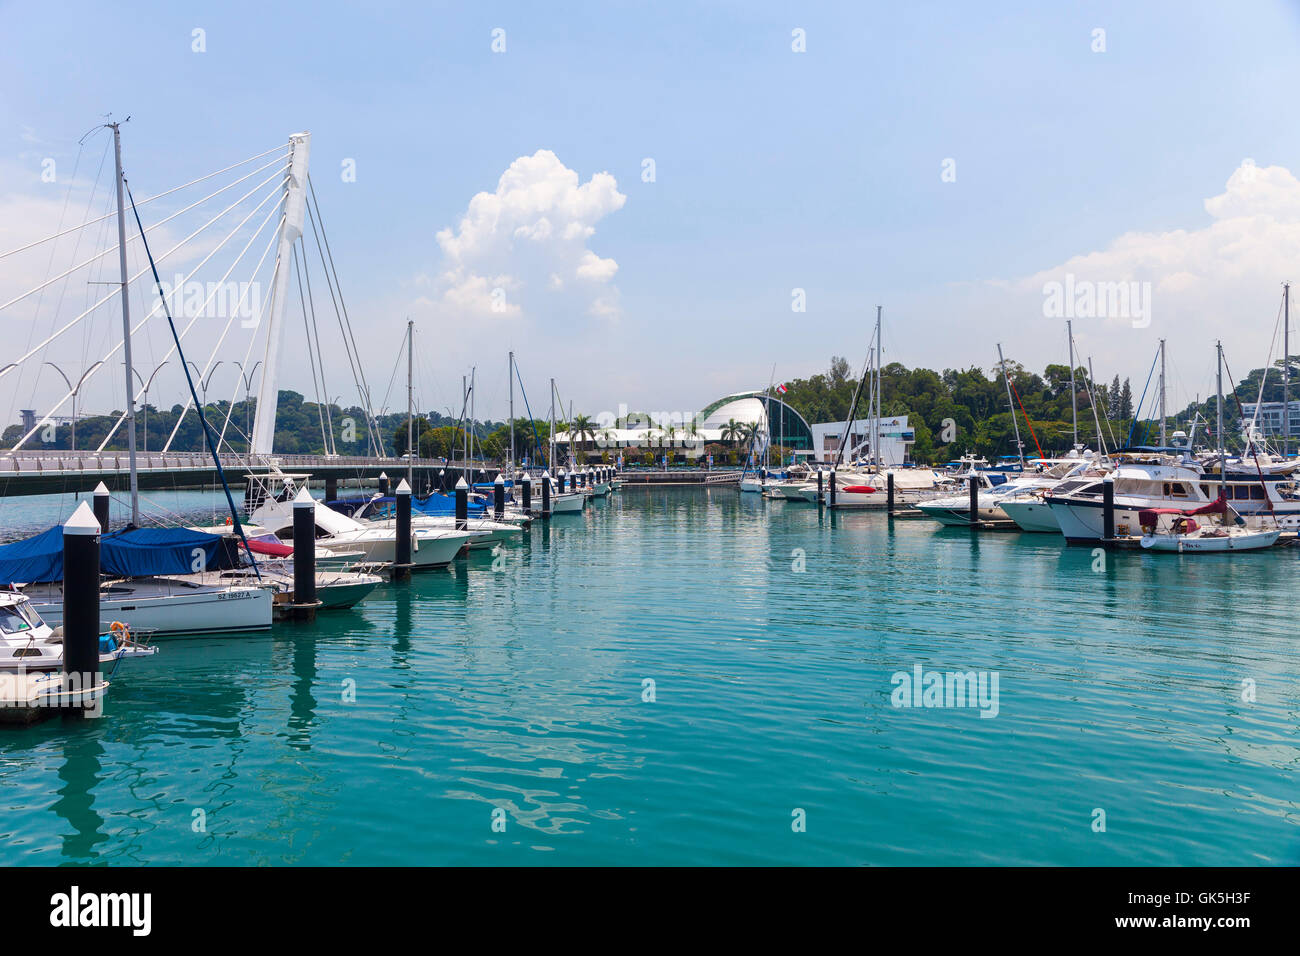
[776,421]
[783,424]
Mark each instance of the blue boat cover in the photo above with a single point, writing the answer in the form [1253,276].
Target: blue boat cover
[140,552]
[435,504]
[35,560]
[131,552]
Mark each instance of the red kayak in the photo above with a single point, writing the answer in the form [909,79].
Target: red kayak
[859,489]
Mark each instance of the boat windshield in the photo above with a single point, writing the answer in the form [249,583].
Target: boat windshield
[1068,487]
[1061,469]
[15,619]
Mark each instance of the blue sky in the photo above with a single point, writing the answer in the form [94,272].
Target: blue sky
[774,169]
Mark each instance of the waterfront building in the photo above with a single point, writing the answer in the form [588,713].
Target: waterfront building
[896,440]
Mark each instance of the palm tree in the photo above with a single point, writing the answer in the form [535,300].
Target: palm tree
[582,428]
[733,431]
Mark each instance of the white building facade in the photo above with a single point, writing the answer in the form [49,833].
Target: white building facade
[896,440]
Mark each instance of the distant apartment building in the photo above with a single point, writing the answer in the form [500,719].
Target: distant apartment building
[1270,417]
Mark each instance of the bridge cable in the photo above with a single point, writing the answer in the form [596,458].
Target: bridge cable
[216,287]
[113,248]
[118,291]
[346,319]
[194,395]
[358,375]
[192,182]
[311,358]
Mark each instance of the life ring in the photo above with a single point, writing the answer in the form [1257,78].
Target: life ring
[120,632]
[228,521]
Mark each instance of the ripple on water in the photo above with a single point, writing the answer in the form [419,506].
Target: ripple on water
[391,734]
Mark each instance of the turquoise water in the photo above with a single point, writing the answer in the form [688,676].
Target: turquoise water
[521,690]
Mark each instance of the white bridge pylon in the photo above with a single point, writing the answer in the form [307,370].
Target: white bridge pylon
[295,208]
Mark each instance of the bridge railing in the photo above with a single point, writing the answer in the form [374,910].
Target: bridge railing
[36,462]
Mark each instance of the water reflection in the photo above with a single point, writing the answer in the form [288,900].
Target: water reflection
[80,772]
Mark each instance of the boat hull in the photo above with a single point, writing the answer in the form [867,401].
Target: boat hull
[567,504]
[1032,515]
[1195,544]
[183,611]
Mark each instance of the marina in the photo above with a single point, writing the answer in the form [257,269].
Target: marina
[473,688]
[840,443]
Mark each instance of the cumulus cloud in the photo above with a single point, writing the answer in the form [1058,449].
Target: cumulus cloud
[517,248]
[1254,238]
[1212,279]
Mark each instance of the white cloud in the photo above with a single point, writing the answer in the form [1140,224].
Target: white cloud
[1216,279]
[530,236]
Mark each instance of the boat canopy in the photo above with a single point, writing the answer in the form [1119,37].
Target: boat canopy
[129,553]
[275,549]
[142,552]
[377,506]
[1147,517]
[37,560]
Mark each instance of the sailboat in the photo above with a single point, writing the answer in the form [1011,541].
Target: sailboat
[270,505]
[146,587]
[570,502]
[380,512]
[147,583]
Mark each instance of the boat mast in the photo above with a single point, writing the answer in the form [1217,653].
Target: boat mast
[550,453]
[1020,446]
[1219,426]
[880,351]
[1162,393]
[1096,417]
[1074,400]
[1286,369]
[410,406]
[473,372]
[126,324]
[512,416]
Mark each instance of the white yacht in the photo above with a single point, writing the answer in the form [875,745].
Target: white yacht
[168,606]
[954,509]
[29,643]
[1162,481]
[144,583]
[1023,502]
[487,533]
[271,506]
[1155,482]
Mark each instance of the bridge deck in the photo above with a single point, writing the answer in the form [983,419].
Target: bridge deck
[53,472]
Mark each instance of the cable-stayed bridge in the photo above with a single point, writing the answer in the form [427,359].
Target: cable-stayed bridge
[59,472]
[271,307]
